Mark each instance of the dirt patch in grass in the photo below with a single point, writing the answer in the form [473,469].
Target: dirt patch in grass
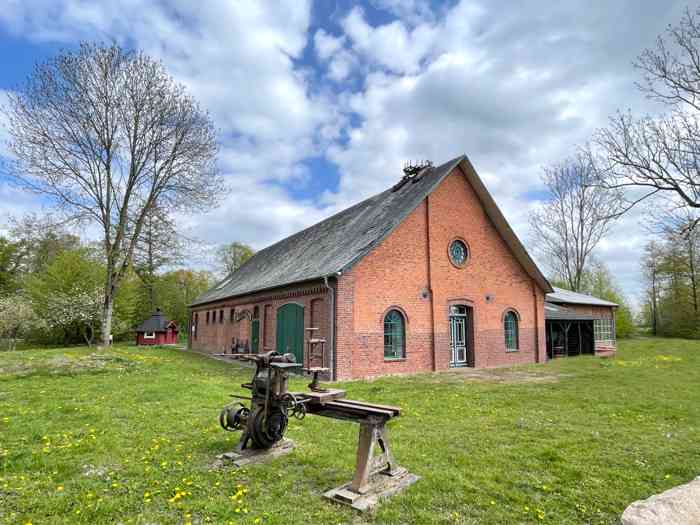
[63,365]
[502,375]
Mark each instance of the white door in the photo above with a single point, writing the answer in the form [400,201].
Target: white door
[458,336]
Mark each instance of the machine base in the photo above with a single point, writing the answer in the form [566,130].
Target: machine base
[250,456]
[380,486]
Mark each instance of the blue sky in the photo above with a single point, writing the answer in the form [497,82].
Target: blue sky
[319,104]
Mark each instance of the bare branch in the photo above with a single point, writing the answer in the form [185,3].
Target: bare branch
[573,220]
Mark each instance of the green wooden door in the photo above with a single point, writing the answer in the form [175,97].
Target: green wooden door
[290,330]
[254,335]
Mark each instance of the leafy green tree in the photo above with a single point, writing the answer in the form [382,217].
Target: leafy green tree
[671,266]
[63,294]
[174,291]
[127,313]
[230,257]
[598,282]
[10,266]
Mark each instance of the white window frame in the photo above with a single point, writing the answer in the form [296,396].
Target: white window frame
[149,335]
[604,329]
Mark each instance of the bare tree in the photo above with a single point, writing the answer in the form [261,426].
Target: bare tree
[571,222]
[660,156]
[108,136]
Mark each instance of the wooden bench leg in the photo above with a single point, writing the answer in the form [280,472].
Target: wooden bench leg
[367,463]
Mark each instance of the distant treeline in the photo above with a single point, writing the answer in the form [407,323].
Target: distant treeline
[671,268]
[51,287]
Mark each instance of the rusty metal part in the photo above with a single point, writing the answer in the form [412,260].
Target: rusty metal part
[271,405]
[233,417]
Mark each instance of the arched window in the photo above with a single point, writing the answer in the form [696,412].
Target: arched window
[394,335]
[510,329]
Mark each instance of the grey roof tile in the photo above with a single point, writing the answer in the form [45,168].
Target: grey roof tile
[561,295]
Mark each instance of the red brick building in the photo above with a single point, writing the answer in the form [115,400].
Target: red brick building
[424,276]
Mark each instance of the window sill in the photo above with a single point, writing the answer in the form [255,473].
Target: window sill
[512,350]
[393,359]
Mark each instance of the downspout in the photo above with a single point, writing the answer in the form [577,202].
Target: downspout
[331,290]
[430,283]
[537,323]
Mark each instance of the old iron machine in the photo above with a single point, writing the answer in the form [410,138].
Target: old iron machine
[264,422]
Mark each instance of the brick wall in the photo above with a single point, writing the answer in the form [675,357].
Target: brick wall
[399,271]
[216,337]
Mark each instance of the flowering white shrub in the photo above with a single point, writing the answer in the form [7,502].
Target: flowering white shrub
[75,307]
[17,317]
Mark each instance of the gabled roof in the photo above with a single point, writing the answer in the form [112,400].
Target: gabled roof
[563,296]
[156,323]
[337,243]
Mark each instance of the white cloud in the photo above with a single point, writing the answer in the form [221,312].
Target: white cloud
[238,61]
[326,45]
[392,45]
[514,87]
[331,51]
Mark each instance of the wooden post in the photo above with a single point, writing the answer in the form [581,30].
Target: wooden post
[371,432]
[580,341]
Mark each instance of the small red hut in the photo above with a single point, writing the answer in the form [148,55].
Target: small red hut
[156,331]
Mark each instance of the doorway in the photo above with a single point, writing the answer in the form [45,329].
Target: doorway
[255,331]
[290,330]
[461,340]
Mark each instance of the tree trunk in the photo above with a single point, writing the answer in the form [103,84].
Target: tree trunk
[106,324]
[693,272]
[654,319]
[88,334]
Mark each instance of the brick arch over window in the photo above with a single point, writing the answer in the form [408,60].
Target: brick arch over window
[511,329]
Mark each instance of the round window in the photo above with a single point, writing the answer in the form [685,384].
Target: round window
[459,253]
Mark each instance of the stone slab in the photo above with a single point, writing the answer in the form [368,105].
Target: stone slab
[677,506]
[381,486]
[251,456]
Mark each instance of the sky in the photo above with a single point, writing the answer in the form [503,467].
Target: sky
[318,105]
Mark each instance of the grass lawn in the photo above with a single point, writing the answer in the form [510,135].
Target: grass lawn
[128,435]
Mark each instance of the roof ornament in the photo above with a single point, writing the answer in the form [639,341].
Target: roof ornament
[411,172]
[411,169]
